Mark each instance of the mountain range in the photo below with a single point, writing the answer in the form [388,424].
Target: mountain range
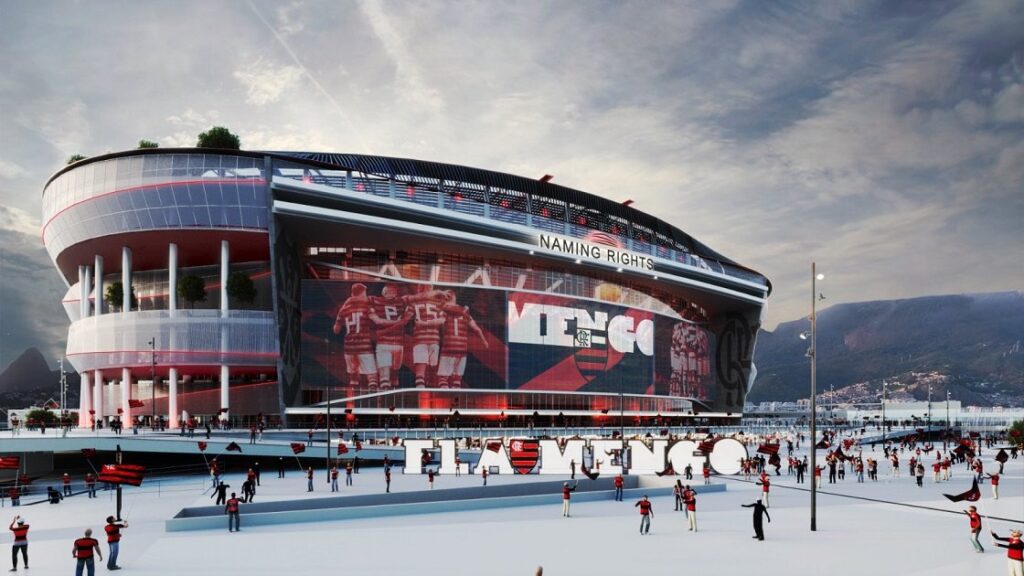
[970,344]
[29,381]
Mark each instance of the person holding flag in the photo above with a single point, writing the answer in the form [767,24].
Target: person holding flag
[690,500]
[765,483]
[1014,552]
[113,530]
[20,530]
[566,496]
[90,484]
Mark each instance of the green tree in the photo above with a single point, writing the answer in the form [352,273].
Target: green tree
[218,137]
[148,144]
[41,415]
[192,289]
[241,288]
[1017,433]
[75,158]
[115,296]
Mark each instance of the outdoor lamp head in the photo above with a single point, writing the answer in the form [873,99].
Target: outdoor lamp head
[820,276]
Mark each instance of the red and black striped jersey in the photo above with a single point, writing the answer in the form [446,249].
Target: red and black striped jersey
[354,314]
[389,320]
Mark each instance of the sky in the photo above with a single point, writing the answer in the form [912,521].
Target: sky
[883,140]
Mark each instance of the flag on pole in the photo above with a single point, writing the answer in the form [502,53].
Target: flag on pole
[133,403]
[494,447]
[202,446]
[972,495]
[10,462]
[88,452]
[130,474]
[706,446]
[768,449]
[233,447]
[298,447]
[342,448]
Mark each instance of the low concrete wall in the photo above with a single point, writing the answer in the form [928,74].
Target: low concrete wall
[422,502]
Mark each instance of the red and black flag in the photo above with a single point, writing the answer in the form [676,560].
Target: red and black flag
[588,472]
[233,447]
[706,446]
[494,447]
[667,471]
[524,454]
[130,474]
[823,444]
[202,446]
[298,447]
[963,450]
[972,495]
[768,449]
[133,403]
[839,454]
[88,452]
[10,462]
[1001,456]
[342,448]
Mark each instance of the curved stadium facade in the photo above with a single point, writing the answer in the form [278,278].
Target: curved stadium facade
[394,291]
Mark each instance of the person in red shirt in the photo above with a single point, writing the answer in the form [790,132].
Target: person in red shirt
[354,315]
[389,315]
[426,304]
[1014,552]
[231,509]
[765,484]
[994,478]
[430,478]
[15,495]
[618,488]
[646,513]
[90,484]
[707,473]
[20,530]
[483,474]
[455,345]
[113,530]
[975,519]
[309,479]
[566,495]
[334,479]
[66,480]
[690,500]
[83,553]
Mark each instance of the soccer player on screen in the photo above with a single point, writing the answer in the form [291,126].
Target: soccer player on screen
[354,315]
[389,315]
[457,323]
[426,304]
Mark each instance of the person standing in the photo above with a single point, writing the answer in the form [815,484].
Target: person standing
[66,480]
[766,485]
[20,530]
[221,492]
[994,479]
[280,467]
[646,513]
[256,469]
[248,491]
[572,469]
[348,473]
[688,472]
[759,512]
[690,500]
[919,474]
[800,469]
[387,479]
[618,488]
[975,520]
[252,434]
[458,465]
[566,496]
[309,479]
[1014,552]
[83,551]
[334,478]
[483,474]
[90,484]
[113,530]
[15,495]
[430,478]
[706,471]
[677,493]
[231,509]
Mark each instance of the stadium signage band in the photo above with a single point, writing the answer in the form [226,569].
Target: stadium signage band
[549,456]
[592,251]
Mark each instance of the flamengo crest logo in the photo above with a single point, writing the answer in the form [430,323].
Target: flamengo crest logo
[530,455]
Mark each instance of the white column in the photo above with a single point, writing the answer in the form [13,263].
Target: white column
[172,276]
[126,278]
[82,294]
[126,394]
[100,303]
[97,396]
[224,375]
[224,262]
[172,397]
[84,400]
[86,290]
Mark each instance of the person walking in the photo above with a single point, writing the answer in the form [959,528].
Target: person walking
[646,513]
[690,500]
[1014,552]
[975,520]
[309,479]
[83,551]
[566,496]
[231,509]
[113,530]
[334,478]
[618,488]
[221,492]
[20,530]
[766,485]
[759,512]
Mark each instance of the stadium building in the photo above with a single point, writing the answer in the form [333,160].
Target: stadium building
[278,284]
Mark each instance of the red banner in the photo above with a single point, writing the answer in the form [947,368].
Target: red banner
[130,474]
[342,448]
[298,447]
[768,448]
[133,403]
[202,446]
[10,462]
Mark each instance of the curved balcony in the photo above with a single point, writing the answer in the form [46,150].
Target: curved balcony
[183,338]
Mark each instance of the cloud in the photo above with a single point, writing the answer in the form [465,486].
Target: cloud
[10,170]
[264,83]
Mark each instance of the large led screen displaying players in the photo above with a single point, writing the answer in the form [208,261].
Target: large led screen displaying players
[371,336]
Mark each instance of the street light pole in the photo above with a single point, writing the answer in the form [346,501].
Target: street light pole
[929,429]
[814,391]
[884,384]
[946,437]
[152,380]
[327,387]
